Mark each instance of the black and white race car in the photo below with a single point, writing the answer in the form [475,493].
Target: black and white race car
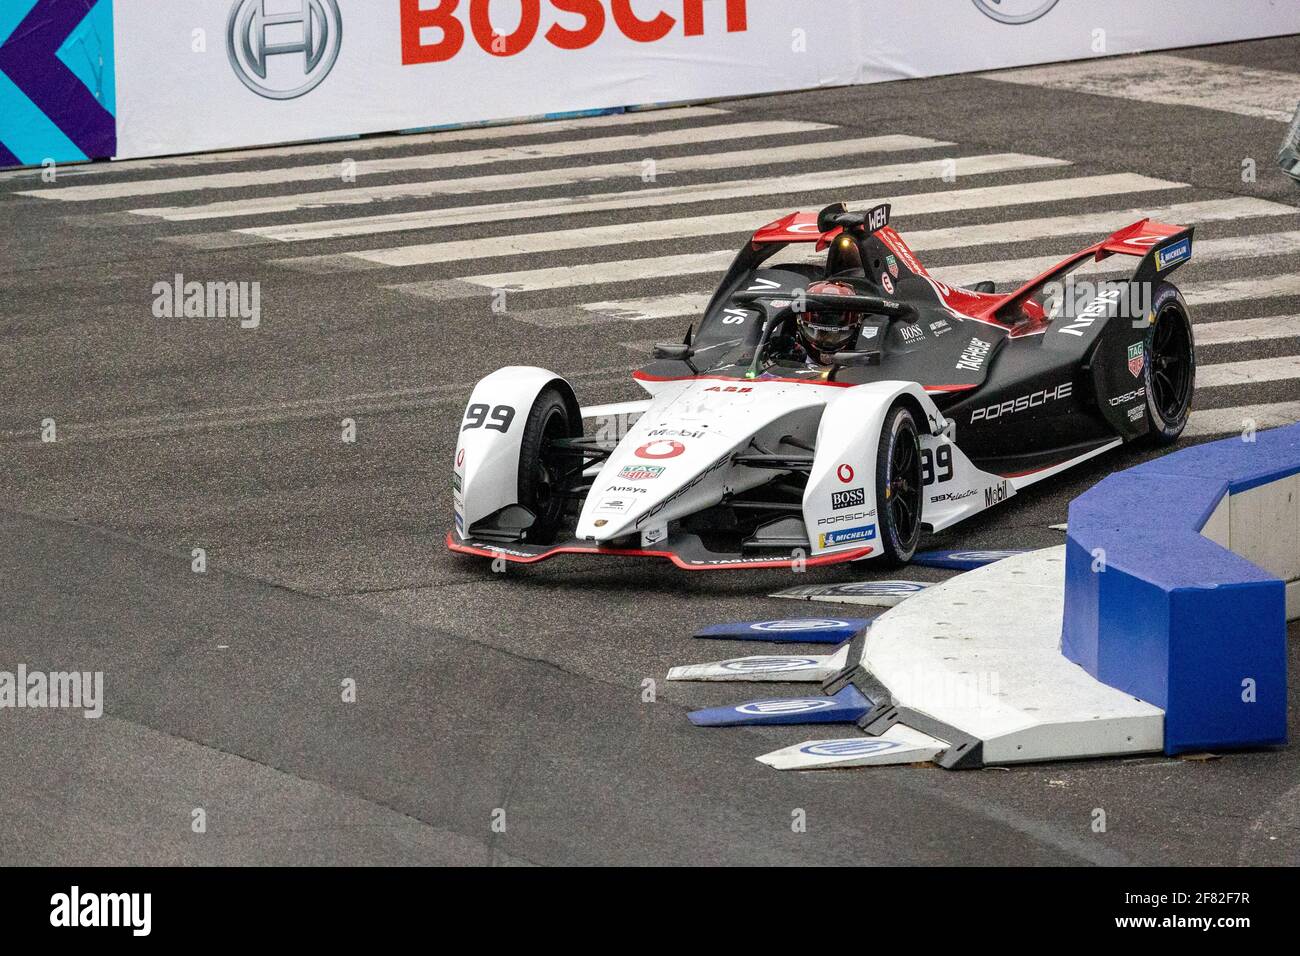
[832,407]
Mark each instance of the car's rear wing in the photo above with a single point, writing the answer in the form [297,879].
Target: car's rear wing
[1162,247]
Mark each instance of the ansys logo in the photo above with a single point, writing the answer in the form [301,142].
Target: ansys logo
[1015,11]
[282,49]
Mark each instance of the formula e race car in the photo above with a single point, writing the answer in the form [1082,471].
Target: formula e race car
[835,402]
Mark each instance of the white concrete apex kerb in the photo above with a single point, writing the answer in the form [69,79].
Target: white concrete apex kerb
[981,653]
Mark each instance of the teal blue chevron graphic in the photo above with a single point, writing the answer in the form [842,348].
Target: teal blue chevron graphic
[57,82]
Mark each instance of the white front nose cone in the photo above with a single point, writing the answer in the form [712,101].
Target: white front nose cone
[677,459]
[642,486]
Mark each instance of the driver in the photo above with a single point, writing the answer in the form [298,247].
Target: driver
[819,335]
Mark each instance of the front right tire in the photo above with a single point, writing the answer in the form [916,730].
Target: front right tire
[899,491]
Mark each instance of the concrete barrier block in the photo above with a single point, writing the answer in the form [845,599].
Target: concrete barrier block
[1177,592]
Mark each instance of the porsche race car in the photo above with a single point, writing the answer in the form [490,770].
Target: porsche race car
[753,451]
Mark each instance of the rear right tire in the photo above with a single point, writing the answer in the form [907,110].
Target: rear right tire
[1170,369]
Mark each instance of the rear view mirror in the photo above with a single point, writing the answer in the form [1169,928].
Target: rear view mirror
[856,359]
[826,219]
[673,351]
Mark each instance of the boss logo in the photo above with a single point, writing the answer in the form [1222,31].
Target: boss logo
[853,498]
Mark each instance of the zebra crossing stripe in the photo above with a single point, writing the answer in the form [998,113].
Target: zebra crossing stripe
[1099,223]
[1207,250]
[1000,270]
[692,305]
[815,182]
[354,146]
[1235,290]
[1248,372]
[429,161]
[745,222]
[1225,421]
[1171,81]
[534,179]
[1247,330]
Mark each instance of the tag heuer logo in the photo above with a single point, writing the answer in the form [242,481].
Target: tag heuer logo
[853,498]
[1136,359]
[640,472]
[281,49]
[1014,11]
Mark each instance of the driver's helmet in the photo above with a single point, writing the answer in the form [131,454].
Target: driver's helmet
[823,333]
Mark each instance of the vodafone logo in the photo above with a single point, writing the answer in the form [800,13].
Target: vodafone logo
[844,473]
[435,32]
[662,448]
[460,458]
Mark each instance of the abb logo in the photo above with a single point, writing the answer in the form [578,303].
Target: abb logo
[436,34]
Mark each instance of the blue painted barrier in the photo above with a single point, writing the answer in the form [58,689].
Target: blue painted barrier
[57,93]
[1156,609]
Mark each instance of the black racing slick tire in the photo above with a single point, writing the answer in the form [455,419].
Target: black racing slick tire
[899,490]
[1170,360]
[543,470]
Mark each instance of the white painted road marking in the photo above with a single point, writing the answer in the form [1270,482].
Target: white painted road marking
[1248,372]
[1099,223]
[999,270]
[745,222]
[535,179]
[1170,81]
[1204,251]
[1236,290]
[1225,421]
[647,198]
[1247,330]
[692,305]
[428,161]
[357,146]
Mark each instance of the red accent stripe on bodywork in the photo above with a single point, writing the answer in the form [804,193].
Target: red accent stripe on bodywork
[823,559]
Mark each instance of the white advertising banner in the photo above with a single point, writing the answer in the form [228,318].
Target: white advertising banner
[211,74]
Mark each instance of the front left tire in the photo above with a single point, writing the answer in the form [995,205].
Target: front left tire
[543,469]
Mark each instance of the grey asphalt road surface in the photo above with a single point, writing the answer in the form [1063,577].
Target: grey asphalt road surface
[521,697]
